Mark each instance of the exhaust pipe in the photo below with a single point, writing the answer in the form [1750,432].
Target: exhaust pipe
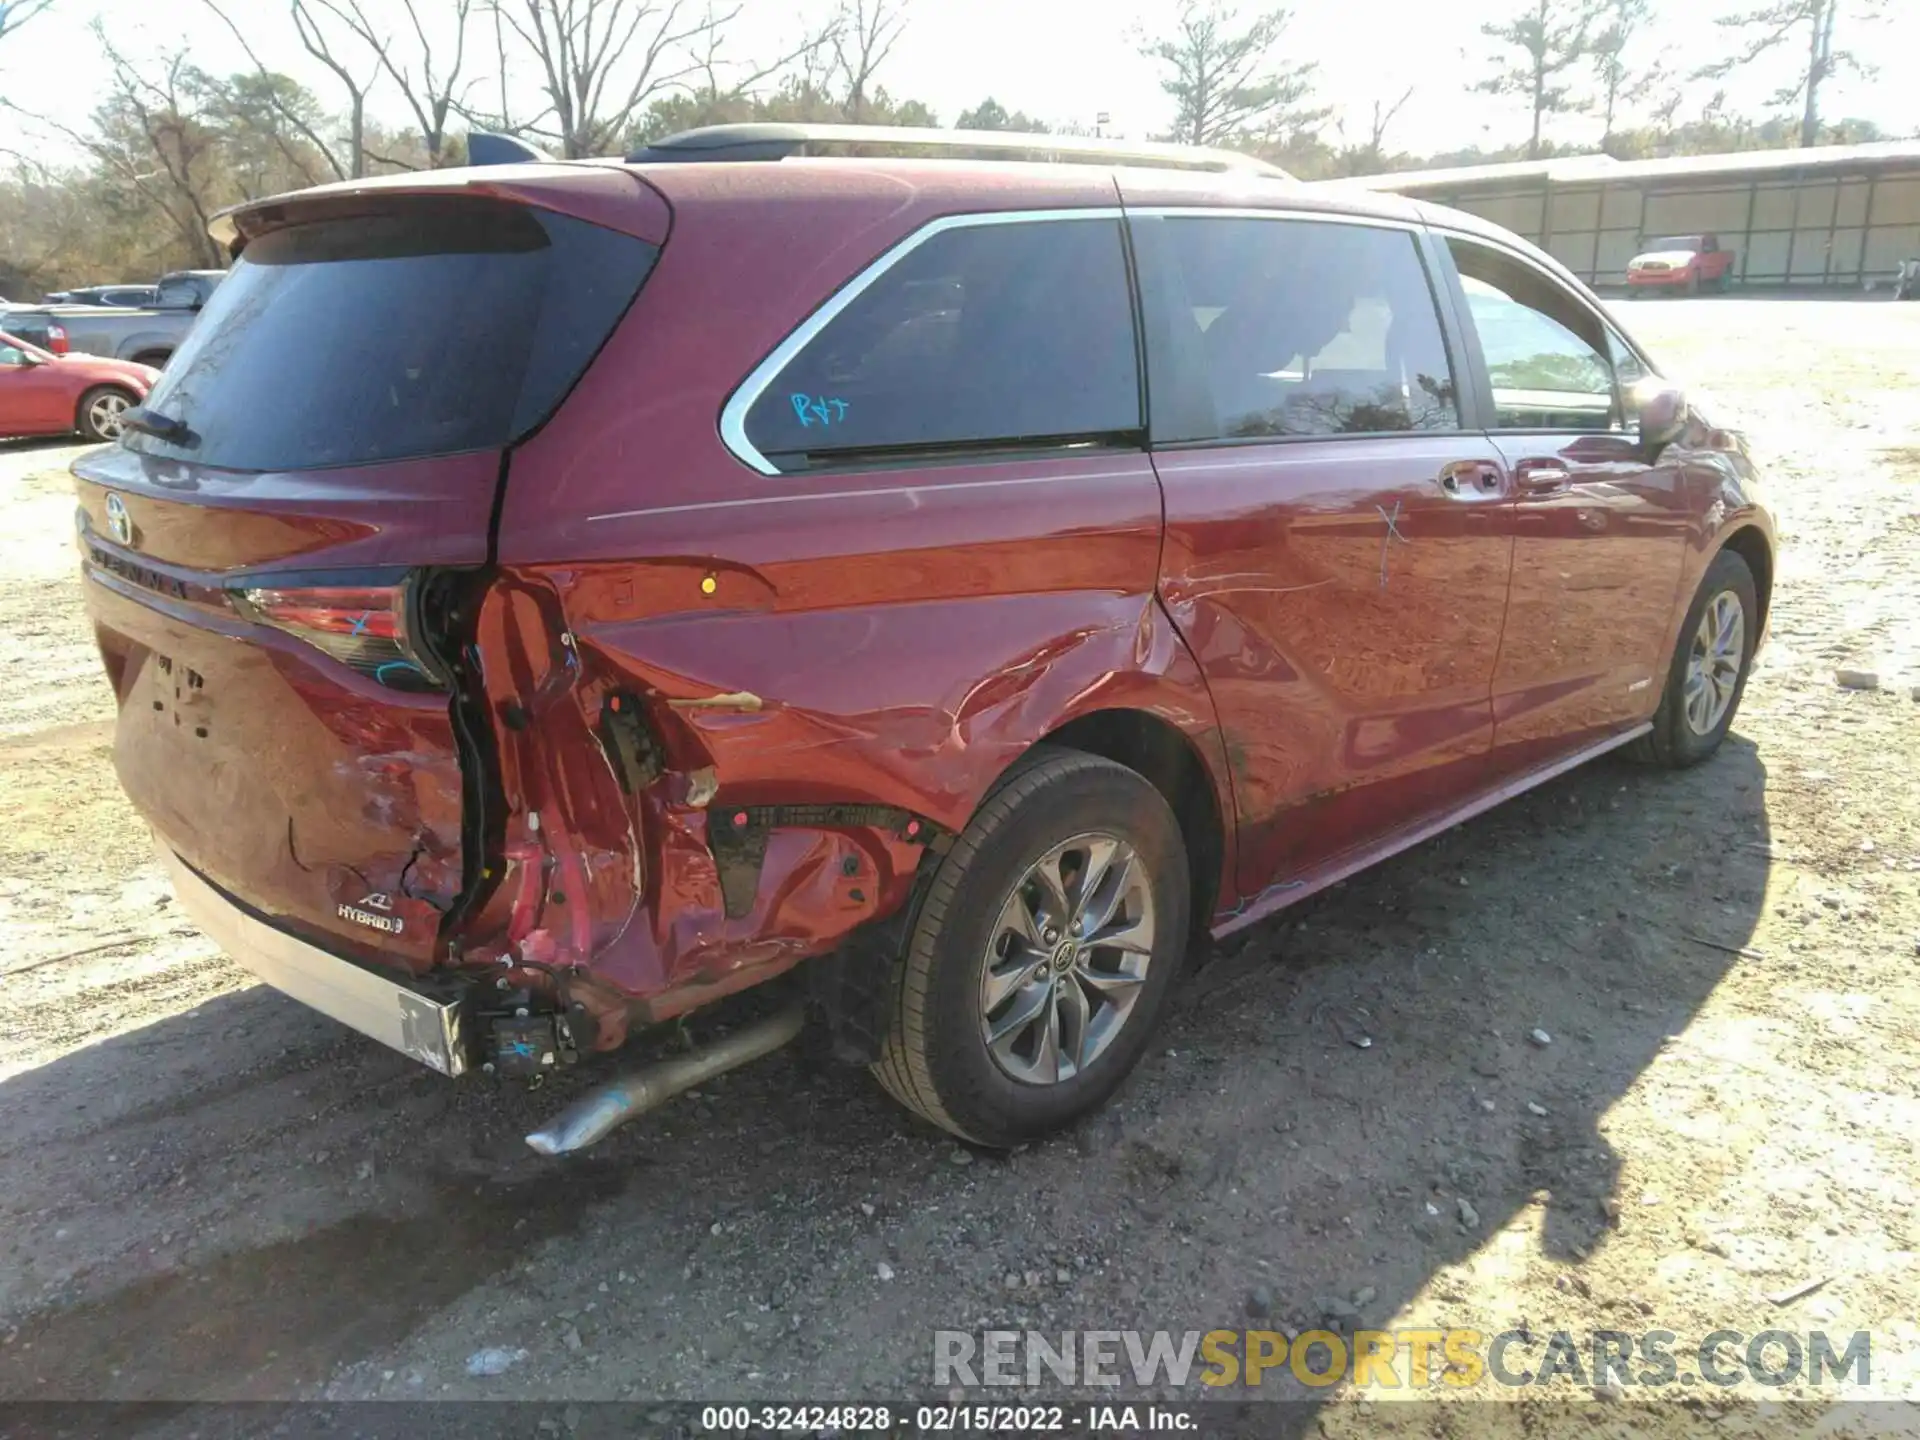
[594,1115]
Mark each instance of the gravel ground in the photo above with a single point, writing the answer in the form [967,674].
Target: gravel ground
[208,1192]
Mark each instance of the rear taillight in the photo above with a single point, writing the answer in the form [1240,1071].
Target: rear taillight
[57,342]
[363,627]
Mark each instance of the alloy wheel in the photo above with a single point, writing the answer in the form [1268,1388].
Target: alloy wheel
[104,415]
[1713,664]
[1067,959]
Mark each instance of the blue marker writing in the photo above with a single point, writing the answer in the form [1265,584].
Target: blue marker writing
[808,410]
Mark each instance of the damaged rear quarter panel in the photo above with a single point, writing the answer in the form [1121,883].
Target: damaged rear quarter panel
[888,636]
[893,640]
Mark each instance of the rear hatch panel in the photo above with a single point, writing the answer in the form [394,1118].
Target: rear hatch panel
[321,791]
[286,589]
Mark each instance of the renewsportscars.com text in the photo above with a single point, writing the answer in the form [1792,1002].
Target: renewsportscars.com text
[1397,1359]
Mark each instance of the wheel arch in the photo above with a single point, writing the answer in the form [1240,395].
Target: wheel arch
[1750,543]
[142,342]
[1169,760]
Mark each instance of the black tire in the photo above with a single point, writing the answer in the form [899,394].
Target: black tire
[156,358]
[1674,742]
[936,1060]
[1693,284]
[88,418]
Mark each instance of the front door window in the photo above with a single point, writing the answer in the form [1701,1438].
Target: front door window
[1546,354]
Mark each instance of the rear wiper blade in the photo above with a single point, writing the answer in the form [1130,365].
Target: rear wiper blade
[152,422]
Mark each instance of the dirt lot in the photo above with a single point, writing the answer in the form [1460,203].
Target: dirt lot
[206,1191]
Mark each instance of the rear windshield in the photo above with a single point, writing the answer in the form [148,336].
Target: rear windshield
[440,327]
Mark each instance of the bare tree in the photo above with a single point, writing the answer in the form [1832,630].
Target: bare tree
[500,114]
[151,138]
[46,215]
[275,98]
[15,13]
[1552,37]
[862,36]
[602,61]
[424,63]
[1222,77]
[726,89]
[1775,25]
[1370,157]
[356,88]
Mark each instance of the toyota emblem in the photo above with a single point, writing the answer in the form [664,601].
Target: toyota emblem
[119,525]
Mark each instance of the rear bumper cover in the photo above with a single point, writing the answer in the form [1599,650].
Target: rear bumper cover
[422,1026]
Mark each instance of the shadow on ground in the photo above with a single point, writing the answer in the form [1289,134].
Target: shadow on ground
[1263,1169]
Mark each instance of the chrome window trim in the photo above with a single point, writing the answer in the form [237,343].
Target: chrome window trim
[1270,212]
[733,416]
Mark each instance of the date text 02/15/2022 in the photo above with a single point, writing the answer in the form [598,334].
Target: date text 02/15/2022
[948,1419]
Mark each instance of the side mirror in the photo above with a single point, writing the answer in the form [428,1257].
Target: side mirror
[1661,412]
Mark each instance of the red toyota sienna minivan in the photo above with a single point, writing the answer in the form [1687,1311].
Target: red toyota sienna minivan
[545,598]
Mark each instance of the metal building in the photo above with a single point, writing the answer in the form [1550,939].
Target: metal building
[1842,215]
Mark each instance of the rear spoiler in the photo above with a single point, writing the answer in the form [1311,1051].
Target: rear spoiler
[482,148]
[602,192]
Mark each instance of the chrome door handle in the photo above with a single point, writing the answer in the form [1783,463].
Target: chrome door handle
[1542,477]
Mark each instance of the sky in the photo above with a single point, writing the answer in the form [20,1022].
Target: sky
[1061,60]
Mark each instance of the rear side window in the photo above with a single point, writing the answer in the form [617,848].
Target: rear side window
[437,328]
[991,335]
[176,295]
[1292,327]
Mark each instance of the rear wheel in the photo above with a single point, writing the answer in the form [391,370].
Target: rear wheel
[156,358]
[1708,672]
[1042,954]
[99,416]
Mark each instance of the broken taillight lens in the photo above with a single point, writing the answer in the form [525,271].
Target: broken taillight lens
[363,627]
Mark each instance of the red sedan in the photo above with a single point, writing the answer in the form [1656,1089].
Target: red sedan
[46,394]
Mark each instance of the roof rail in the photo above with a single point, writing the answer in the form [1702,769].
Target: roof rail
[779,142]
